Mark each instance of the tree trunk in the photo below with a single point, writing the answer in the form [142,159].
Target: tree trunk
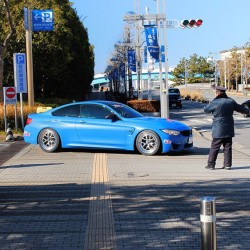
[1,73]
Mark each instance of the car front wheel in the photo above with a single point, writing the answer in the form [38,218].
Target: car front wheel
[48,140]
[148,142]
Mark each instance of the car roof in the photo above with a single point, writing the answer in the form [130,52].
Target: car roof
[87,102]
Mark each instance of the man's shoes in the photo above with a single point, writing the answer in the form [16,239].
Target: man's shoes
[226,168]
[210,167]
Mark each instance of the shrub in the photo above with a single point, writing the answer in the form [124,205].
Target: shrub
[145,105]
[10,114]
[195,95]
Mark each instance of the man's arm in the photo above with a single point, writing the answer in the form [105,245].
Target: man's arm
[241,109]
[209,108]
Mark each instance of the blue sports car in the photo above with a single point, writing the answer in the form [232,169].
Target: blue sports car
[105,125]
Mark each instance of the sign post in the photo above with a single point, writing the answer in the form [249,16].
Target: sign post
[35,20]
[27,25]
[9,97]
[20,78]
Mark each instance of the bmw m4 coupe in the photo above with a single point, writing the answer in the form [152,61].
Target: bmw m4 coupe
[105,125]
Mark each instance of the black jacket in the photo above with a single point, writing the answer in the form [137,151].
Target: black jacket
[222,108]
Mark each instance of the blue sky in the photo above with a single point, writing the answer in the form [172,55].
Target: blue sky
[226,23]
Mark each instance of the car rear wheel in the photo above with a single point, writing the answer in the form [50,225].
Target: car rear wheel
[49,140]
[245,106]
[148,142]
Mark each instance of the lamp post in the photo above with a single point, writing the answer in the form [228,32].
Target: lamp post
[185,72]
[159,19]
[163,87]
[212,58]
[133,18]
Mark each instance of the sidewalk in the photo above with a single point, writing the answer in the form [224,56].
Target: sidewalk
[115,200]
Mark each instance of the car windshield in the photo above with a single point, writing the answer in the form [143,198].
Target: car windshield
[176,91]
[125,110]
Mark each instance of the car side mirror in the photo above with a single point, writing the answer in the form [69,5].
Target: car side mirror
[112,116]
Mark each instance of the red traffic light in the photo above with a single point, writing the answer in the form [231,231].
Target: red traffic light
[198,22]
[190,23]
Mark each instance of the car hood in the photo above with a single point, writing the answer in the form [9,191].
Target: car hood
[161,123]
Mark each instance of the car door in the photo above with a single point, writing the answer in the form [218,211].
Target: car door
[96,130]
[64,122]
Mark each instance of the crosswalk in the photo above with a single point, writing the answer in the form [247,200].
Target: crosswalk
[210,120]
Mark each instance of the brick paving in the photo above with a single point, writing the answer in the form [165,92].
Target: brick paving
[77,199]
[9,149]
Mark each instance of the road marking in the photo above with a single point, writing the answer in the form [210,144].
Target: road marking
[100,233]
[239,118]
[197,121]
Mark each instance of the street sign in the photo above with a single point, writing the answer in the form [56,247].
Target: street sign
[9,95]
[170,24]
[42,20]
[20,72]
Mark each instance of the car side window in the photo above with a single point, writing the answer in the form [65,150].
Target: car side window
[94,111]
[69,111]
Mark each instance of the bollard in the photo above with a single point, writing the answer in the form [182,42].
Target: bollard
[9,134]
[208,223]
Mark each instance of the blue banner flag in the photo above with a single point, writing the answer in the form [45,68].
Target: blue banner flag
[115,75]
[152,43]
[122,70]
[132,60]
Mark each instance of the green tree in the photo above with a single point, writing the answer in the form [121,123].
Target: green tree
[196,68]
[179,70]
[63,60]
[204,68]
[5,36]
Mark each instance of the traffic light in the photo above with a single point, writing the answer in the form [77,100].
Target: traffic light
[198,22]
[191,23]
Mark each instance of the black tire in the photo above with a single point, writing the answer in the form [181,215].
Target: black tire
[148,143]
[245,106]
[49,140]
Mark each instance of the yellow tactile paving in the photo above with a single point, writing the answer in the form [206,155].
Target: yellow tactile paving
[100,229]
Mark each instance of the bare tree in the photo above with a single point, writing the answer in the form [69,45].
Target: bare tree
[3,46]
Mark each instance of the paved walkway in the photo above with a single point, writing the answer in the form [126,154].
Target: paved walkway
[101,200]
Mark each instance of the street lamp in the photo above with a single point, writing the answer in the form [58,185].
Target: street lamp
[159,19]
[133,18]
[214,60]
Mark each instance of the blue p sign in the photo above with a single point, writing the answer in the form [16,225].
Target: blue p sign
[20,58]
[47,17]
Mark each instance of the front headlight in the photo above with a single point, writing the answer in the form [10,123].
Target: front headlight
[171,132]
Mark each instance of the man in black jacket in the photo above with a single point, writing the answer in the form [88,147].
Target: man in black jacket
[222,108]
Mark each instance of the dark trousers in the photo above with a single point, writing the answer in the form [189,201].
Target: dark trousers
[214,150]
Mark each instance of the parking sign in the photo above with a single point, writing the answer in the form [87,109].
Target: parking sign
[20,72]
[42,20]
